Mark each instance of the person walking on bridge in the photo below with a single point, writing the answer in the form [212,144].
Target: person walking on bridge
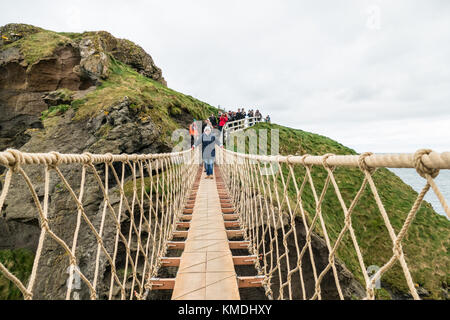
[208,141]
[193,132]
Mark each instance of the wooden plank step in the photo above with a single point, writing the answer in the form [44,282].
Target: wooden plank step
[239,244]
[187,217]
[183,224]
[180,234]
[231,224]
[170,261]
[227,210]
[228,217]
[235,233]
[250,282]
[237,260]
[162,283]
[175,245]
[244,260]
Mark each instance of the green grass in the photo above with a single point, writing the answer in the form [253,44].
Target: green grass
[19,262]
[426,242]
[36,46]
[71,35]
[128,186]
[55,111]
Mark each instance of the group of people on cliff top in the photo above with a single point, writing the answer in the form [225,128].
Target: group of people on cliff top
[207,139]
[239,115]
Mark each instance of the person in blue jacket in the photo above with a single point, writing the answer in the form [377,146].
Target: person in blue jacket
[208,141]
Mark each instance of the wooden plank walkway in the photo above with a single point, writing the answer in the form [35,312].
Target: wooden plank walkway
[206,270]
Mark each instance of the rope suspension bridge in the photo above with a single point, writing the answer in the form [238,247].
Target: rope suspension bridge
[170,207]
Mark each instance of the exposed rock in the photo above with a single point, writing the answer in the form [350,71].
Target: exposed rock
[56,72]
[135,56]
[9,55]
[58,97]
[94,63]
[22,90]
[29,235]
[95,43]
[422,292]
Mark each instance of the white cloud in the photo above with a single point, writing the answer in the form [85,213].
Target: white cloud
[73,18]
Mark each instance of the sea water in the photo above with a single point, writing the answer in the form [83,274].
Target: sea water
[411,177]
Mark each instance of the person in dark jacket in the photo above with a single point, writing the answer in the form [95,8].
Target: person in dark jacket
[213,120]
[204,124]
[208,141]
[258,115]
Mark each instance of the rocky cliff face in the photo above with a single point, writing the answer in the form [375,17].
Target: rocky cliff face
[35,62]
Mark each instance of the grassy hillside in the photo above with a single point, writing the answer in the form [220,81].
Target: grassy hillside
[19,262]
[149,99]
[427,241]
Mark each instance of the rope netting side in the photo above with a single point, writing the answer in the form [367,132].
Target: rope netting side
[152,190]
[268,193]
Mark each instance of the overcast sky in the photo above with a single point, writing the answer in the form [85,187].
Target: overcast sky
[373,75]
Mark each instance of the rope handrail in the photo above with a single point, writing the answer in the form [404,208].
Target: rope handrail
[12,157]
[433,160]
